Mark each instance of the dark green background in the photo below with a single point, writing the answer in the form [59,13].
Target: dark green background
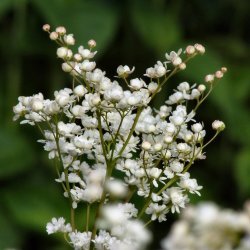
[127,32]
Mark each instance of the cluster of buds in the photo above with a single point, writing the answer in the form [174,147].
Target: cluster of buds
[217,75]
[110,145]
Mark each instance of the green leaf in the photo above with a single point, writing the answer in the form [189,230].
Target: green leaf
[242,171]
[16,156]
[33,205]
[85,19]
[158,27]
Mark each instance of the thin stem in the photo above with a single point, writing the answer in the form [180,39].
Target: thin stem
[87,217]
[146,224]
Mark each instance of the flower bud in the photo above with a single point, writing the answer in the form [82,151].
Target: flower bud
[37,105]
[46,27]
[61,30]
[79,91]
[218,125]
[154,172]
[158,147]
[223,69]
[182,66]
[78,57]
[218,74]
[209,78]
[199,48]
[62,52]
[53,36]
[146,145]
[152,87]
[67,66]
[201,88]
[92,43]
[168,139]
[197,127]
[190,50]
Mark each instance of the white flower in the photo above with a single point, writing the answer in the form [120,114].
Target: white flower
[58,225]
[80,90]
[175,196]
[80,241]
[86,53]
[137,83]
[87,65]
[124,71]
[69,39]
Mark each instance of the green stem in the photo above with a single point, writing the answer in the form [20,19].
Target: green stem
[87,217]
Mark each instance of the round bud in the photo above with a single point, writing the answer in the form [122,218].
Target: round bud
[78,57]
[152,87]
[92,43]
[168,139]
[67,67]
[46,27]
[199,48]
[96,100]
[223,69]
[79,91]
[218,74]
[190,50]
[61,30]
[197,127]
[201,88]
[37,105]
[182,66]
[151,128]
[146,145]
[218,125]
[62,52]
[209,78]
[53,36]
[158,147]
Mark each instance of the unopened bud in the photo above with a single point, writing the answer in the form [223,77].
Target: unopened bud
[78,57]
[146,145]
[199,48]
[92,43]
[53,35]
[223,69]
[219,74]
[209,78]
[190,50]
[182,66]
[46,27]
[158,147]
[218,125]
[201,88]
[61,30]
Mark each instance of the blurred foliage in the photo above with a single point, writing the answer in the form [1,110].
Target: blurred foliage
[134,32]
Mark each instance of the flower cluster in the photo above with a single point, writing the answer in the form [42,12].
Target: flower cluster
[101,128]
[206,226]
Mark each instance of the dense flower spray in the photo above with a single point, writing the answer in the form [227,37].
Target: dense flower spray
[206,226]
[98,130]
